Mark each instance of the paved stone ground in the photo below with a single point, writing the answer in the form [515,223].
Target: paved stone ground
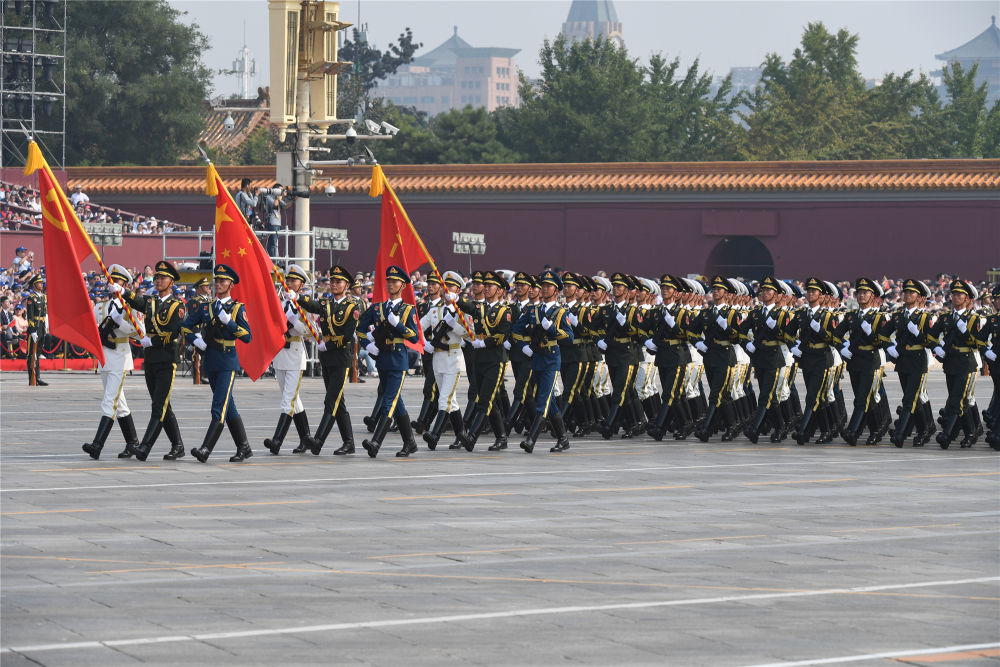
[613,553]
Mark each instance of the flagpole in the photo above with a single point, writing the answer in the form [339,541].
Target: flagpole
[302,313]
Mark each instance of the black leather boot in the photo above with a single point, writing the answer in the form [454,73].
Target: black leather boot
[211,437]
[127,425]
[802,432]
[659,422]
[406,432]
[301,421]
[512,416]
[173,433]
[103,429]
[528,444]
[852,430]
[371,421]
[899,435]
[243,451]
[705,432]
[948,430]
[315,443]
[559,430]
[500,442]
[610,425]
[273,444]
[418,424]
[142,450]
[471,436]
[432,436]
[346,432]
[381,428]
[752,431]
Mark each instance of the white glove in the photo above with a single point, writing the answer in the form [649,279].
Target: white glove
[146,342]
[796,352]
[34,336]
[527,350]
[602,345]
[372,350]
[668,318]
[47,323]
[721,321]
[701,347]
[962,326]
[506,345]
[991,355]
[449,296]
[479,344]
[815,325]
[199,343]
[118,317]
[914,329]
[845,351]
[291,316]
[290,295]
[322,346]
[428,348]
[751,348]
[892,352]
[867,328]
[223,316]
[621,318]
[771,322]
[392,318]
[650,345]
[939,352]
[546,323]
[573,319]
[450,319]
[115,288]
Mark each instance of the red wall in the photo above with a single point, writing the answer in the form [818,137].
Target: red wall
[838,239]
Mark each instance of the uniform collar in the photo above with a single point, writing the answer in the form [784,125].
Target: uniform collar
[550,304]
[524,303]
[226,300]
[570,304]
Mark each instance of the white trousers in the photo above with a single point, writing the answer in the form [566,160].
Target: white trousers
[602,380]
[289,383]
[113,404]
[447,370]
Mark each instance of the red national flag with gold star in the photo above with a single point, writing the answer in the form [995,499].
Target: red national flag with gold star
[71,315]
[399,245]
[237,246]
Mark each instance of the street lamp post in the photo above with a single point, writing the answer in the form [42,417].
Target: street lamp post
[468,244]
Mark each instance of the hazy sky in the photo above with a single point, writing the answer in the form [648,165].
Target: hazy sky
[895,36]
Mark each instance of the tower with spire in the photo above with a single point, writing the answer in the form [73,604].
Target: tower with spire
[984,50]
[590,19]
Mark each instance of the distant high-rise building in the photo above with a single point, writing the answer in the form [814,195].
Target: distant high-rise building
[590,19]
[984,50]
[454,75]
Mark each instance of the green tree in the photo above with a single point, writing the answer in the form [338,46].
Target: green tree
[135,83]
[964,116]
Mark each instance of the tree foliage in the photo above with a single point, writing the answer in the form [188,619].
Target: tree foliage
[135,83]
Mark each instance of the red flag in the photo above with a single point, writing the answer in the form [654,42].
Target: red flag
[399,245]
[71,315]
[237,246]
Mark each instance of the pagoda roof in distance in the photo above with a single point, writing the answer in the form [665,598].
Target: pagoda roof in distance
[598,11]
[984,46]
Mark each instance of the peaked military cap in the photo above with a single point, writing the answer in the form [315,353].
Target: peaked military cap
[227,272]
[961,286]
[750,290]
[602,283]
[816,284]
[37,278]
[453,279]
[570,278]
[477,276]
[433,277]
[165,268]
[865,283]
[974,292]
[397,273]
[119,272]
[769,283]
[296,271]
[719,282]
[830,289]
[912,285]
[522,278]
[667,280]
[204,280]
[550,277]
[493,278]
[621,279]
[785,288]
[337,272]
[796,290]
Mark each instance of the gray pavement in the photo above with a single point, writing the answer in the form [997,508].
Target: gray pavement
[612,553]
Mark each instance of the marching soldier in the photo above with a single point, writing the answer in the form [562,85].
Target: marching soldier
[621,322]
[116,333]
[956,333]
[911,324]
[672,358]
[588,413]
[571,370]
[864,367]
[813,329]
[444,343]
[766,359]
[203,294]
[543,326]
[429,406]
[990,337]
[37,314]
[476,289]
[162,317]
[338,320]
[384,327]
[225,322]
[524,285]
[492,321]
[289,364]
[717,326]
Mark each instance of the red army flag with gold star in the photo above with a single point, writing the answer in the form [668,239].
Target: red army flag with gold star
[238,247]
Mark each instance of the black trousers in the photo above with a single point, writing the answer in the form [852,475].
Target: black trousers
[430,386]
[719,378]
[522,371]
[487,380]
[336,379]
[622,379]
[159,382]
[34,355]
[911,383]
[767,386]
[864,384]
[958,389]
[572,374]
[671,381]
[815,380]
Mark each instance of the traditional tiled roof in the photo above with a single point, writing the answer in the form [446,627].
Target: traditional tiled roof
[984,46]
[215,134]
[620,177]
[443,55]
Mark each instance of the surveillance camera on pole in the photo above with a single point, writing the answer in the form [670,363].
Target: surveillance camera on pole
[373,127]
[391,130]
[351,135]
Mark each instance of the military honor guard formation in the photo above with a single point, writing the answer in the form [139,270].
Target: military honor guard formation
[624,357]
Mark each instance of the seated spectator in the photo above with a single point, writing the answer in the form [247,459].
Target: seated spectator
[78,196]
